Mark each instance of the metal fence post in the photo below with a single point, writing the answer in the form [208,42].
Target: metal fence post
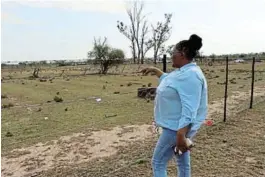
[226,84]
[164,63]
[252,83]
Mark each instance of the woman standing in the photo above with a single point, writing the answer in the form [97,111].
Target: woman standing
[180,107]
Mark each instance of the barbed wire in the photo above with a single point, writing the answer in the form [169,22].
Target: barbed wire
[71,130]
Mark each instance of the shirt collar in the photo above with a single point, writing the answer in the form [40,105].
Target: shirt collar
[183,68]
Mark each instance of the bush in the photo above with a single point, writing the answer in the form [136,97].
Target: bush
[3,96]
[58,99]
[9,105]
[105,56]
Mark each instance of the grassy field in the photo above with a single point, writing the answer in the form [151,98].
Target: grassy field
[35,117]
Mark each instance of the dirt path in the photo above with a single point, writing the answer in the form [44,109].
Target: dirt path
[82,147]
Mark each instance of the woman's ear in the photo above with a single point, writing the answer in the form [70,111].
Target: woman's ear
[184,51]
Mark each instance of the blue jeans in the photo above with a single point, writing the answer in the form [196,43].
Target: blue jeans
[164,152]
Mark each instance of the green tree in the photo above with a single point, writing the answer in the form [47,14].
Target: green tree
[105,56]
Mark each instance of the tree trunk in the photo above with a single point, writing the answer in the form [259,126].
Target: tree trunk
[155,57]
[142,57]
[133,52]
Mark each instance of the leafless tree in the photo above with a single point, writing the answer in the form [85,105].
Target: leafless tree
[136,32]
[161,33]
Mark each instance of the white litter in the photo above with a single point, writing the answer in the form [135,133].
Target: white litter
[98,99]
[45,118]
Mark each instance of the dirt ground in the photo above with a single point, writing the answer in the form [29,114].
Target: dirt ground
[108,152]
[232,149]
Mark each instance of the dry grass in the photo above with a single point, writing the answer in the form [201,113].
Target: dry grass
[36,117]
[231,149]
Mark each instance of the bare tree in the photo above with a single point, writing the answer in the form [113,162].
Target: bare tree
[137,31]
[161,33]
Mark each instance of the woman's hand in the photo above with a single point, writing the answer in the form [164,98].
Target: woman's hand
[148,70]
[152,69]
[182,144]
[181,139]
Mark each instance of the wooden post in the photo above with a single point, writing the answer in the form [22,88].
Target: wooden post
[164,63]
[226,84]
[252,83]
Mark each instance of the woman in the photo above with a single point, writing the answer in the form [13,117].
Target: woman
[180,107]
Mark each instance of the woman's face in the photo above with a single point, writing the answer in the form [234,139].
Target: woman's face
[177,58]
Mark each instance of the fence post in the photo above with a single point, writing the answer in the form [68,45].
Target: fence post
[164,63]
[252,83]
[226,83]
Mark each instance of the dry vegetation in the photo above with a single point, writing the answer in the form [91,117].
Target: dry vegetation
[62,118]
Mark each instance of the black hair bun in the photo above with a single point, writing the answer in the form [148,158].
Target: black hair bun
[195,42]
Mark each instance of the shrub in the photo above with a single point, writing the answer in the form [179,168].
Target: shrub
[3,96]
[58,99]
[9,105]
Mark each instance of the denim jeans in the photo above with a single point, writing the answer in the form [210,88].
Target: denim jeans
[164,152]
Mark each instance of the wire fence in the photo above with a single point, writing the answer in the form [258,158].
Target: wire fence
[130,163]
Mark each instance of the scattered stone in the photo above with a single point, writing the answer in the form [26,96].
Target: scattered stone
[49,101]
[143,85]
[66,109]
[121,85]
[149,84]
[116,92]
[9,134]
[43,80]
[39,110]
[108,116]
[58,93]
[104,87]
[250,160]
[129,84]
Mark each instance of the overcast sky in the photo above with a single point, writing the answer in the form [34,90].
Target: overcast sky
[64,29]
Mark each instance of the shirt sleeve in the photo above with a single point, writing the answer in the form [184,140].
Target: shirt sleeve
[162,77]
[189,88]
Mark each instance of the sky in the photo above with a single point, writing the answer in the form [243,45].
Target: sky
[65,29]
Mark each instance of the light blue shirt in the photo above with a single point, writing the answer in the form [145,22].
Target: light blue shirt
[181,99]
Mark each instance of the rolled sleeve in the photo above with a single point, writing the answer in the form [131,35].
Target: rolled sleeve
[162,77]
[189,90]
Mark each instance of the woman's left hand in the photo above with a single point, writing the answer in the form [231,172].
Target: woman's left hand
[182,144]
[181,139]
